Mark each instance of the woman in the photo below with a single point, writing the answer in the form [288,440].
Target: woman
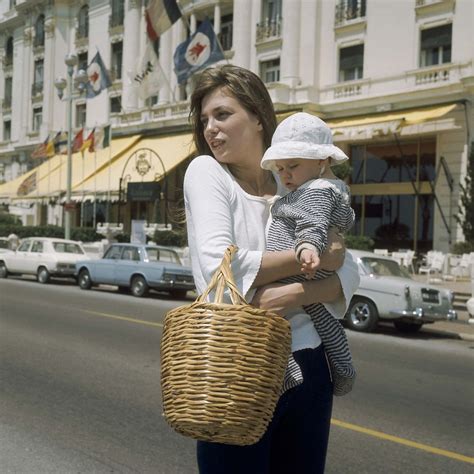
[228,198]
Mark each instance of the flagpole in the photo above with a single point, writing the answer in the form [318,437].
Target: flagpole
[95,190]
[82,186]
[109,176]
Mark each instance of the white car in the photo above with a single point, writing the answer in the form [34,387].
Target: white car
[44,257]
[387,293]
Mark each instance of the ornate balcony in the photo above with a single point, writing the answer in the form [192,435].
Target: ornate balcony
[348,11]
[268,29]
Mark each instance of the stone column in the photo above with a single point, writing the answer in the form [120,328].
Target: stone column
[242,33]
[289,65]
[49,91]
[217,19]
[131,53]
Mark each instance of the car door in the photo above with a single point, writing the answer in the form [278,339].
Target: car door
[105,267]
[126,266]
[16,262]
[35,257]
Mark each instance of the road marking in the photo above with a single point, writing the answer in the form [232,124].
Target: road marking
[123,318]
[406,442]
[342,424]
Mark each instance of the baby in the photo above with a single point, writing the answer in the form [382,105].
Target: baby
[302,153]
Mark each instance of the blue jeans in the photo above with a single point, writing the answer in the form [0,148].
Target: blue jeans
[297,438]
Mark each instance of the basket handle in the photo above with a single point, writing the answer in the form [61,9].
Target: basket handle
[222,278]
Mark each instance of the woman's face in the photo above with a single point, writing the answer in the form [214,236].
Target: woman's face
[234,135]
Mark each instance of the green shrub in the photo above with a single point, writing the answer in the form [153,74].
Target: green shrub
[9,219]
[359,242]
[462,247]
[85,234]
[171,238]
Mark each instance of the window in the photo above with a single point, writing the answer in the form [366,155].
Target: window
[80,115]
[115,105]
[37,87]
[37,246]
[7,102]
[83,23]
[8,61]
[114,252]
[347,10]
[39,32]
[130,253]
[24,246]
[116,62]
[225,36]
[435,45]
[82,61]
[271,10]
[37,118]
[351,63]
[270,70]
[117,16]
[7,130]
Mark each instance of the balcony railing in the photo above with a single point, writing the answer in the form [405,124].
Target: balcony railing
[7,103]
[347,10]
[116,20]
[36,88]
[268,29]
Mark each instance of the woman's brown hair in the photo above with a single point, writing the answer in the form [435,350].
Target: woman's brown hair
[245,86]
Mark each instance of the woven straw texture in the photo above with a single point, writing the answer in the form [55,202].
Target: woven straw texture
[222,365]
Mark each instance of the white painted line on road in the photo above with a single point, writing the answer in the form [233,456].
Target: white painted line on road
[406,442]
[122,318]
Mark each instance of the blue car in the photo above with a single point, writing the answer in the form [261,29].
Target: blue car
[137,268]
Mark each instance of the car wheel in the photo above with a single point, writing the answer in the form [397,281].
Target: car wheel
[43,275]
[178,294]
[84,279]
[139,286]
[362,315]
[407,326]
[3,270]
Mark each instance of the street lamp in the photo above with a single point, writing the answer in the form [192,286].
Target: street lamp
[61,83]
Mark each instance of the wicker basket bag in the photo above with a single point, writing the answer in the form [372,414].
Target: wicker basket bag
[222,365]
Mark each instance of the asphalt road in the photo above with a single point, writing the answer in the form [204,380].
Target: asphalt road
[79,391]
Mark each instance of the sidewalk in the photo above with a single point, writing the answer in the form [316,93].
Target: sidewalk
[462,292]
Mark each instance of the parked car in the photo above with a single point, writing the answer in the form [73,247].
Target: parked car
[388,293]
[44,257]
[137,268]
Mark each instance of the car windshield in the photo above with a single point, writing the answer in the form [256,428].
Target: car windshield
[383,267]
[64,247]
[162,255]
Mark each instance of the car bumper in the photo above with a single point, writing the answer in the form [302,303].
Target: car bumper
[172,285]
[424,316]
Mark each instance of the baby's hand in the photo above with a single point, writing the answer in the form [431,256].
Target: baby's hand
[310,262]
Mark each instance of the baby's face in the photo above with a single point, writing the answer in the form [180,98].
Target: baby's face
[296,171]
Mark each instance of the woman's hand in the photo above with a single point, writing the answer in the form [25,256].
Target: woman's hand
[333,257]
[278,297]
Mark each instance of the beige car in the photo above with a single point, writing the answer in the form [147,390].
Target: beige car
[43,257]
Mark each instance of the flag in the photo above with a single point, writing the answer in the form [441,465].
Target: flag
[102,137]
[159,16]
[197,52]
[98,77]
[60,143]
[78,141]
[28,185]
[45,149]
[149,77]
[88,143]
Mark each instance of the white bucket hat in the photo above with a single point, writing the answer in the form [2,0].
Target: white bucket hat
[302,135]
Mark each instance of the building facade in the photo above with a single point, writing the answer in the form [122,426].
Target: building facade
[394,81]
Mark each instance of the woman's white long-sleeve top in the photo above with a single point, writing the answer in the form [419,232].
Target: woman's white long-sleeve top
[220,213]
